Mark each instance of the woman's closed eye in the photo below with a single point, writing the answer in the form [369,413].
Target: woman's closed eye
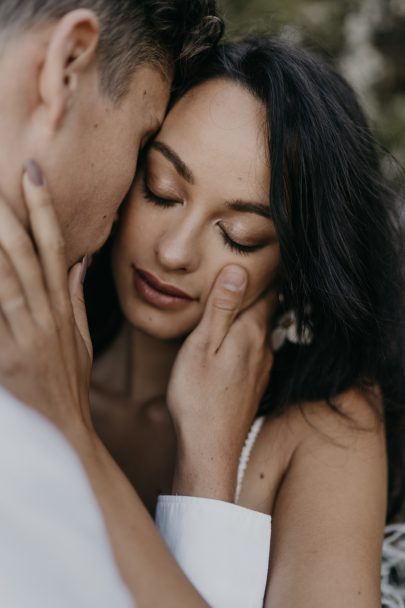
[239,247]
[230,242]
[155,199]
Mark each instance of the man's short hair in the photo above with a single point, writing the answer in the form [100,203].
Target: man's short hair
[133,32]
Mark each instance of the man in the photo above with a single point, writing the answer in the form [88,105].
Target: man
[84,84]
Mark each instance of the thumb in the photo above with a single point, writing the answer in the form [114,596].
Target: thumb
[223,306]
[76,280]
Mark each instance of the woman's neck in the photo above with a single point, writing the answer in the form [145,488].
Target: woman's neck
[149,365]
[135,370]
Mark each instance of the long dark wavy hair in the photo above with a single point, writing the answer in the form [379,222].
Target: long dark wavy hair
[338,225]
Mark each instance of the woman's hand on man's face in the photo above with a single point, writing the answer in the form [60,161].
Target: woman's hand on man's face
[45,354]
[216,386]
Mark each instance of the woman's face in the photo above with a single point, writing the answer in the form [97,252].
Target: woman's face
[200,202]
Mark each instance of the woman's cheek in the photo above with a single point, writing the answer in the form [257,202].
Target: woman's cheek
[138,229]
[260,278]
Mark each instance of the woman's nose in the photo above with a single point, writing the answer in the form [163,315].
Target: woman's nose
[177,249]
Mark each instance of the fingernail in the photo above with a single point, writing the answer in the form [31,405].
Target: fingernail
[233,279]
[34,173]
[85,265]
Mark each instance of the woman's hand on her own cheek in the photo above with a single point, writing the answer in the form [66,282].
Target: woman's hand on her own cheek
[217,383]
[45,355]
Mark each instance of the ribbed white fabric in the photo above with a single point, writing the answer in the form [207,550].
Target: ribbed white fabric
[222,548]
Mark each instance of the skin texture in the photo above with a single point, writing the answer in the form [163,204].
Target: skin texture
[51,109]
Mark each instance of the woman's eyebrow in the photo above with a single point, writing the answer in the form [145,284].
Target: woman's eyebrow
[174,159]
[186,173]
[245,207]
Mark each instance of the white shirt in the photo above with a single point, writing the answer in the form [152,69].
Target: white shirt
[54,548]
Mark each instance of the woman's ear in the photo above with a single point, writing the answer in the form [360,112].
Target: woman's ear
[70,52]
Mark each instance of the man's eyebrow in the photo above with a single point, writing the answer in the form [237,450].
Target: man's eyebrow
[245,207]
[175,159]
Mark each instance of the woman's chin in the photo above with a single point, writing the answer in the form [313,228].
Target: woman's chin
[159,324]
[162,331]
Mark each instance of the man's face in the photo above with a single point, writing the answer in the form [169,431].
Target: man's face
[86,144]
[94,164]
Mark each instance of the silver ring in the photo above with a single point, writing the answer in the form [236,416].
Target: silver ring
[11,305]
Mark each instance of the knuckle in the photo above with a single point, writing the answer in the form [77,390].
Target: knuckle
[224,304]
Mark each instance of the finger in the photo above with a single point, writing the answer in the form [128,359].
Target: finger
[223,306]
[47,236]
[12,302]
[51,249]
[76,279]
[19,250]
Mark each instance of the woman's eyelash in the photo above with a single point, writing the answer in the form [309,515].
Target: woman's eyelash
[234,246]
[153,198]
[164,202]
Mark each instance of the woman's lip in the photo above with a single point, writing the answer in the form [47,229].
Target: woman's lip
[154,296]
[163,288]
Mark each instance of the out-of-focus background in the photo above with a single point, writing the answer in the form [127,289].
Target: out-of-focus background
[364,38]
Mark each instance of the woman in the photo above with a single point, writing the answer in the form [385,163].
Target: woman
[263,119]
[266,160]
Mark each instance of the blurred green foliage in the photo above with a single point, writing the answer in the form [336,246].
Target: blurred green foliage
[364,38]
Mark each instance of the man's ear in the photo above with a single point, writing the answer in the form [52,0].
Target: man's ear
[71,50]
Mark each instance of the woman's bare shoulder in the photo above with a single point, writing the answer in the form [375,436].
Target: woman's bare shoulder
[341,421]
[353,422]
[329,509]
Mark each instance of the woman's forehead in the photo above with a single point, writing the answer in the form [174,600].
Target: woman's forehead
[219,104]
[219,125]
